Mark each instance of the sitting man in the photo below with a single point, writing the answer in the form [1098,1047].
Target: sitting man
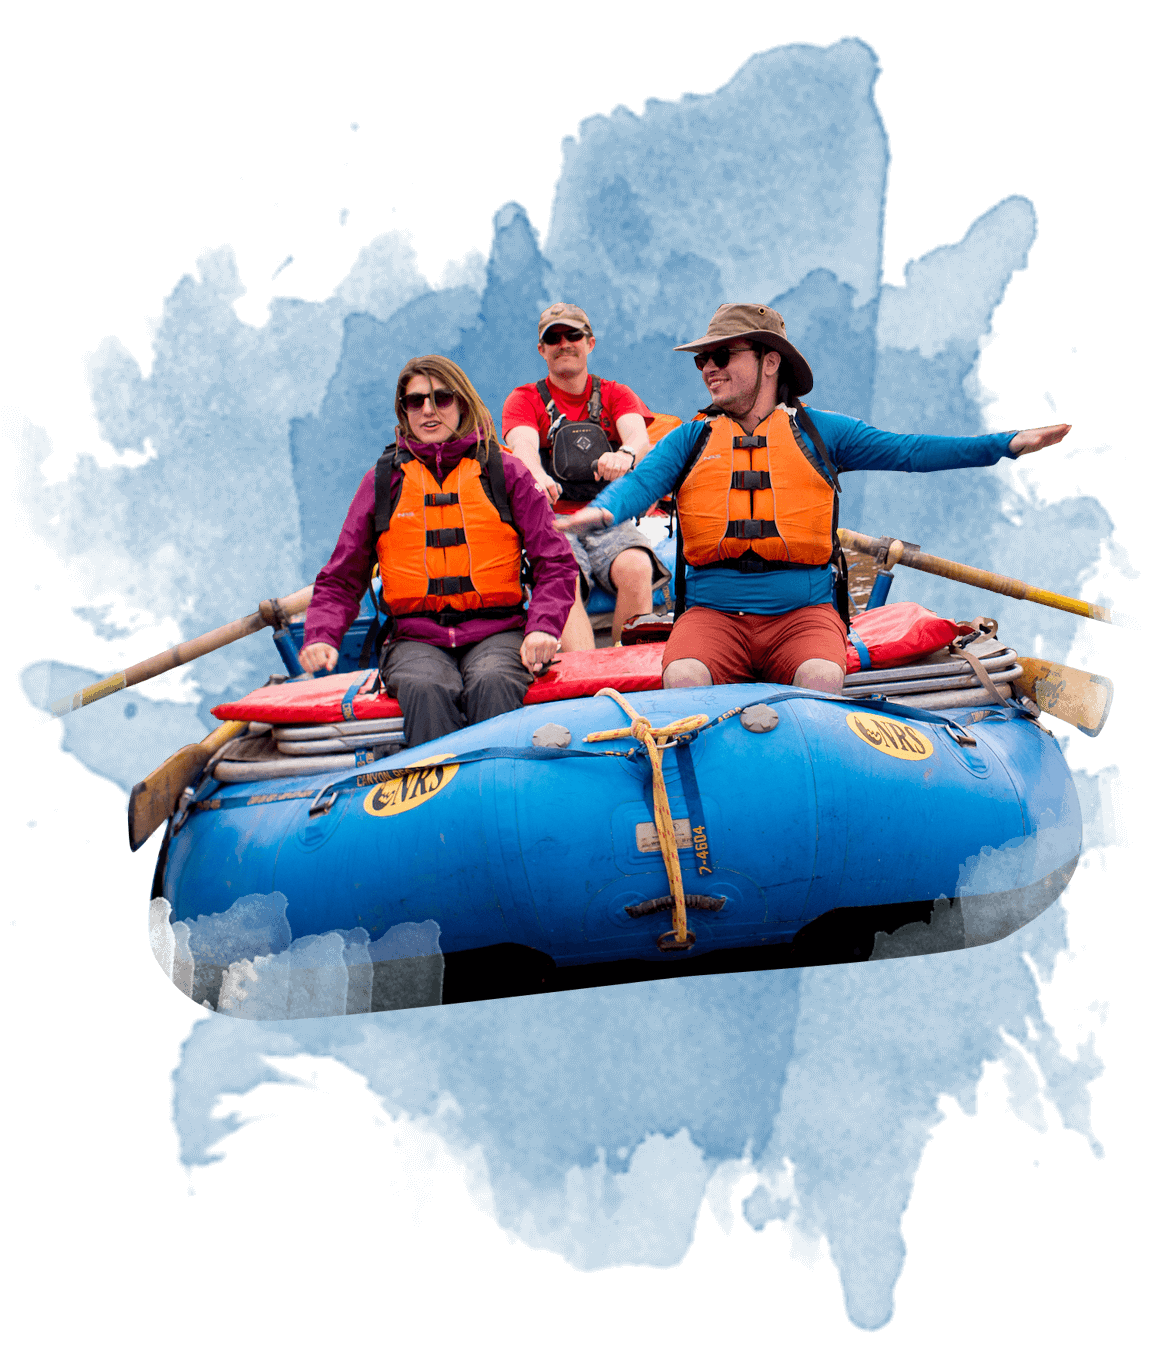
[446,515]
[620,558]
[756,484]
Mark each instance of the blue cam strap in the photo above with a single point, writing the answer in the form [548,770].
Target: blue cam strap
[864,654]
[703,862]
[375,773]
[350,695]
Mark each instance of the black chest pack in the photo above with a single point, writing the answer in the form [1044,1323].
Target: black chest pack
[573,447]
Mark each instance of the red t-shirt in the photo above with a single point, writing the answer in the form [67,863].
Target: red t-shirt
[525,407]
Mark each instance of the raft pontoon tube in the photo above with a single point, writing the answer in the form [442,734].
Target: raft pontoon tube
[808,828]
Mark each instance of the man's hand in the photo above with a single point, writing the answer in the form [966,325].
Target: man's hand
[319,656]
[547,485]
[610,466]
[538,650]
[583,520]
[1032,440]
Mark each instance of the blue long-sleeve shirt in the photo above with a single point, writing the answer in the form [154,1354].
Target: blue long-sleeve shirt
[851,445]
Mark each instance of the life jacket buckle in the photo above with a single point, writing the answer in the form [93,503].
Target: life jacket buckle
[749,441]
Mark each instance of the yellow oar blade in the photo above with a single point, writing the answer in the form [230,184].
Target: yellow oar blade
[155,798]
[894,551]
[1072,695]
[101,689]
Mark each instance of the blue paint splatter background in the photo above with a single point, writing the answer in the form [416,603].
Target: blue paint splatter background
[600,1118]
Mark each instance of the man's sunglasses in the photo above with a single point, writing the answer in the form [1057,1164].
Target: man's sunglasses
[557,336]
[443,399]
[721,357]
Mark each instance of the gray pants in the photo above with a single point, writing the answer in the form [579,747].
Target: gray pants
[442,689]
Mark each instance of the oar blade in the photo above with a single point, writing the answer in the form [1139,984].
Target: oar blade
[155,798]
[1074,696]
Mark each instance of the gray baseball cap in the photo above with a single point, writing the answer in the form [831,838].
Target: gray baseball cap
[564,314]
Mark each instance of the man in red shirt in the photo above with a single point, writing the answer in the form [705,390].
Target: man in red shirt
[619,558]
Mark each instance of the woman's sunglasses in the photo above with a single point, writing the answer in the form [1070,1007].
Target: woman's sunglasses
[553,337]
[721,357]
[443,399]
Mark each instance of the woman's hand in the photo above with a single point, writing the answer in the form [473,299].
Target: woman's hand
[319,656]
[538,650]
[583,520]
[1032,440]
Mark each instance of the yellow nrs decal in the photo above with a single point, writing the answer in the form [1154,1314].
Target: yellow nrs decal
[889,736]
[401,792]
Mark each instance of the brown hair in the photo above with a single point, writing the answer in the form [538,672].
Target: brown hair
[784,393]
[443,372]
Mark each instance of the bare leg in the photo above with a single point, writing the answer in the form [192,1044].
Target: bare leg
[825,676]
[577,635]
[632,575]
[686,674]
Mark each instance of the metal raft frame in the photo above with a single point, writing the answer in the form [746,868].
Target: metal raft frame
[268,752]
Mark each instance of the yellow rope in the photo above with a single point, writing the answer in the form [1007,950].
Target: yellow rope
[655,740]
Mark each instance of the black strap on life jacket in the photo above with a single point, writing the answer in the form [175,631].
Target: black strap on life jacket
[838,559]
[679,556]
[386,496]
[454,618]
[752,528]
[751,564]
[445,537]
[817,439]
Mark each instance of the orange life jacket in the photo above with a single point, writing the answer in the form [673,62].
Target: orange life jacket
[447,552]
[758,497]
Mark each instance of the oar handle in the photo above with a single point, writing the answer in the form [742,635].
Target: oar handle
[270,612]
[971,575]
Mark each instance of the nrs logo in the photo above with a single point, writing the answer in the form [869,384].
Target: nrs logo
[891,737]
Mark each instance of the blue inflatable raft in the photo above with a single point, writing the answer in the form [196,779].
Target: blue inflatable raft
[516,857]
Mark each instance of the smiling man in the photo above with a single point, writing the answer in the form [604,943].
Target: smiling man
[756,479]
[576,432]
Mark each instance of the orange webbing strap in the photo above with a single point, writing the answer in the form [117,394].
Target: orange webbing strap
[655,739]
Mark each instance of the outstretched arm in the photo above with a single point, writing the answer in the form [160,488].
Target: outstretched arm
[634,493]
[1032,440]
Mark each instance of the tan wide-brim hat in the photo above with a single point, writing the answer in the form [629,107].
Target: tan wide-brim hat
[751,321]
[564,314]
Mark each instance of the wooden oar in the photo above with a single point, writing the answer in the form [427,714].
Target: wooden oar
[1072,695]
[896,551]
[270,612]
[155,799]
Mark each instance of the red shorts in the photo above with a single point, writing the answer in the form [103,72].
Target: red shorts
[739,647]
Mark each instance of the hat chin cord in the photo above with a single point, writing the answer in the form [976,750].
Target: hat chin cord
[758,389]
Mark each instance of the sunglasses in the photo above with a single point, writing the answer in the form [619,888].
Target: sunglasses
[553,337]
[443,399]
[720,357]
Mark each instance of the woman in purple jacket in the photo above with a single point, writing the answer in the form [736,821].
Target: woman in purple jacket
[446,515]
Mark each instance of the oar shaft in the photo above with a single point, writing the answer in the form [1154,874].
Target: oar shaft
[267,614]
[972,575]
